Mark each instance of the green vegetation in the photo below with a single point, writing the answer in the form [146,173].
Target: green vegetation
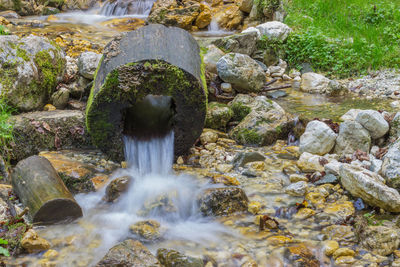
[5,127]
[248,137]
[371,220]
[3,30]
[239,111]
[344,37]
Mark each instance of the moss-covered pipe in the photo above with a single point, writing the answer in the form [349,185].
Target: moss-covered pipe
[153,60]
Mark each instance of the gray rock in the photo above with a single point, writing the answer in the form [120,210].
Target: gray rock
[391,165]
[381,240]
[314,83]
[242,43]
[297,189]
[327,179]
[253,29]
[333,167]
[30,70]
[266,122]
[352,136]
[370,187]
[218,115]
[318,138]
[226,88]
[129,253]
[60,98]
[242,72]
[242,158]
[274,30]
[222,201]
[116,187]
[87,64]
[350,115]
[211,58]
[374,122]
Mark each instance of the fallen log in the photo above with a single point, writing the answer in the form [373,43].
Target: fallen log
[153,60]
[40,189]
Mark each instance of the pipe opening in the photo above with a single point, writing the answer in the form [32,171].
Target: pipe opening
[151,117]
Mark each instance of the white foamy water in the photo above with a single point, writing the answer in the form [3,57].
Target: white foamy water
[127,7]
[104,224]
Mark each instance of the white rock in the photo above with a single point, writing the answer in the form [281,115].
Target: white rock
[333,167]
[314,83]
[297,189]
[370,187]
[350,115]
[87,64]
[226,87]
[352,137]
[211,58]
[391,165]
[374,122]
[274,30]
[310,163]
[252,29]
[318,138]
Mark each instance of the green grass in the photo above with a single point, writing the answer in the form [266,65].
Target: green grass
[3,30]
[344,37]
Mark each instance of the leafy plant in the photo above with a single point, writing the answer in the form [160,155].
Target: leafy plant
[371,220]
[3,30]
[4,251]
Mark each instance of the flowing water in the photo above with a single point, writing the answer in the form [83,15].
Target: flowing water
[155,193]
[138,8]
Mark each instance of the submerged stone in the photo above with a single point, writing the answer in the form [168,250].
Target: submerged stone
[147,230]
[117,187]
[223,201]
[173,258]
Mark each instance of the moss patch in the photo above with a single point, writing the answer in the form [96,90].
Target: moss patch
[248,137]
[240,111]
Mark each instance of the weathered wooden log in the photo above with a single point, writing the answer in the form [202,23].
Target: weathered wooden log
[153,60]
[39,188]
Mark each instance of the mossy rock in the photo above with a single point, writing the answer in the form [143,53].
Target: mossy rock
[153,60]
[30,67]
[218,116]
[173,258]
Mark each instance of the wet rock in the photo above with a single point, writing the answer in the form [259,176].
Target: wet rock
[169,13]
[395,127]
[147,230]
[116,188]
[254,207]
[242,158]
[352,137]
[60,98]
[266,123]
[124,24]
[340,210]
[173,258]
[211,58]
[128,253]
[208,137]
[345,260]
[297,178]
[87,64]
[228,16]
[301,256]
[343,252]
[48,130]
[218,115]
[391,165]
[9,14]
[246,5]
[223,201]
[32,243]
[297,189]
[204,18]
[328,179]
[30,72]
[274,30]
[370,187]
[314,83]
[243,72]
[226,88]
[304,213]
[318,138]
[243,43]
[330,247]
[374,122]
[311,163]
[381,240]
[341,233]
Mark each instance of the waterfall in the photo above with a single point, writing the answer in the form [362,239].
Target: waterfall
[127,7]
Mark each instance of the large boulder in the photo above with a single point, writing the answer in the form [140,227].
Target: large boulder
[129,253]
[391,165]
[47,130]
[265,123]
[274,30]
[222,201]
[352,137]
[243,72]
[245,5]
[87,64]
[374,122]
[370,187]
[243,43]
[137,70]
[211,57]
[228,16]
[31,67]
[318,138]
[394,132]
